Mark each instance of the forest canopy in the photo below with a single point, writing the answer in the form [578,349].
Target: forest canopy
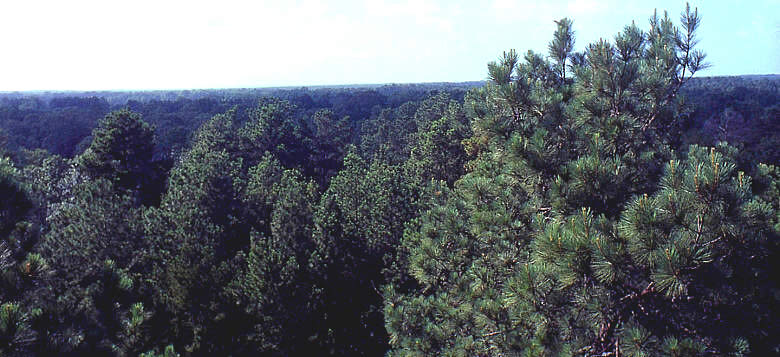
[594,203]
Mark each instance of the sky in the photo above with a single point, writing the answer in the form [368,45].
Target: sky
[163,44]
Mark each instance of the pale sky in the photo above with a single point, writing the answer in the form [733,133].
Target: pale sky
[162,44]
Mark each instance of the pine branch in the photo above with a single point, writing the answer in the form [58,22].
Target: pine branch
[606,331]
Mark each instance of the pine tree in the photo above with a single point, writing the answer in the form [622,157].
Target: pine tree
[235,214]
[358,225]
[436,150]
[121,150]
[277,127]
[275,288]
[570,236]
[16,201]
[331,137]
[92,244]
[16,336]
[193,235]
[387,136]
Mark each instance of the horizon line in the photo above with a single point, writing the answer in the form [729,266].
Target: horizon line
[285,87]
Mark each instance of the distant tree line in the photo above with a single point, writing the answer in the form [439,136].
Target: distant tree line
[61,122]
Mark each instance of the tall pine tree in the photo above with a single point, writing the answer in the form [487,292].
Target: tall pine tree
[570,235]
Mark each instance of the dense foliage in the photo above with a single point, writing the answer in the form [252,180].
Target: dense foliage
[595,203]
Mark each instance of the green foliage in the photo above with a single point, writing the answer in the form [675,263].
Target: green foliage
[366,206]
[561,46]
[92,226]
[50,178]
[558,210]
[169,351]
[15,333]
[275,126]
[358,226]
[739,110]
[274,287]
[330,139]
[193,233]
[470,233]
[133,332]
[437,153]
[121,150]
[34,267]
[388,135]
[16,201]
[94,244]
[392,135]
[568,237]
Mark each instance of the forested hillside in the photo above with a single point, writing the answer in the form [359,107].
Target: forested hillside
[595,203]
